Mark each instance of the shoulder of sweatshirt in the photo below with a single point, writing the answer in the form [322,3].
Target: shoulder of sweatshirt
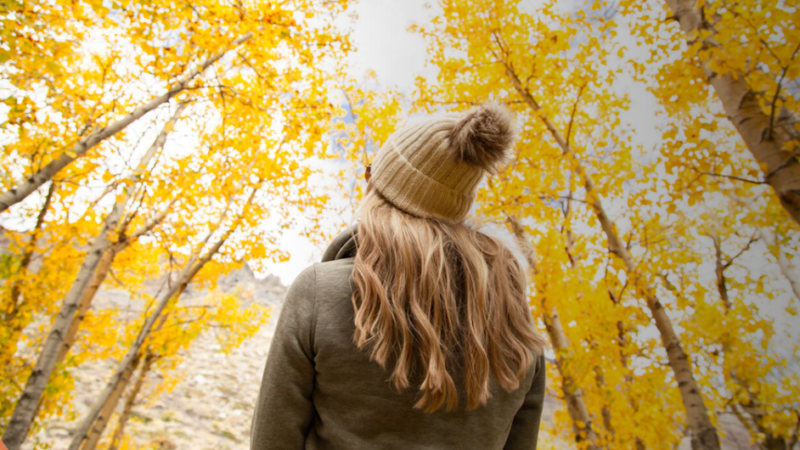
[319,289]
[334,280]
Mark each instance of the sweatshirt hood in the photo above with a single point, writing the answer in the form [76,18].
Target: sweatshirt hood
[343,245]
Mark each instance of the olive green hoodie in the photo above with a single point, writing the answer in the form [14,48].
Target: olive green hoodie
[320,392]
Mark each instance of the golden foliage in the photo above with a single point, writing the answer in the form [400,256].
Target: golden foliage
[250,123]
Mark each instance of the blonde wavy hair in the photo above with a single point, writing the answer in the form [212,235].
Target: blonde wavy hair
[427,291]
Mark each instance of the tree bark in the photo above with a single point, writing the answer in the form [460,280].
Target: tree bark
[573,394]
[765,135]
[86,301]
[719,272]
[43,175]
[28,403]
[704,434]
[102,270]
[130,401]
[63,331]
[108,408]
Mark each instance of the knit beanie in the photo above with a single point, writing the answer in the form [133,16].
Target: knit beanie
[431,167]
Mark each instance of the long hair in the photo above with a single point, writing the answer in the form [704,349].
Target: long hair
[427,291]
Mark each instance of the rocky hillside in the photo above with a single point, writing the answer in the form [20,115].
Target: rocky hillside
[212,405]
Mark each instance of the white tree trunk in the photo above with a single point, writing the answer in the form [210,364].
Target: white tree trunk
[765,135]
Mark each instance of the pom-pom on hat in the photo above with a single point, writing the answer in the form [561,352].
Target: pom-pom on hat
[431,167]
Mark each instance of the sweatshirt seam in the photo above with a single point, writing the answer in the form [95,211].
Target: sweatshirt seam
[314,315]
[541,364]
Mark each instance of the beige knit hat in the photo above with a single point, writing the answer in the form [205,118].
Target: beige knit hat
[431,168]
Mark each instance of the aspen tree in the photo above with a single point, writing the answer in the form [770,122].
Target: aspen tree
[146,358]
[28,403]
[176,330]
[62,332]
[230,147]
[51,271]
[529,57]
[573,394]
[206,33]
[738,59]
[704,434]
